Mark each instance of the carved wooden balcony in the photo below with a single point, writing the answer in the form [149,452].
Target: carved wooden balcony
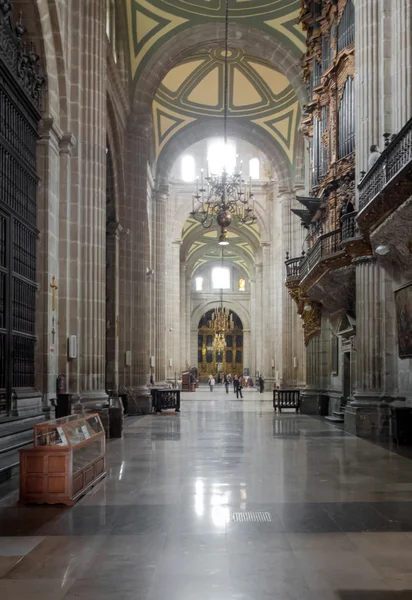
[293,268]
[353,241]
[388,184]
[326,273]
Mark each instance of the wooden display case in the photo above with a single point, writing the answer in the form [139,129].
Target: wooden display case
[68,459]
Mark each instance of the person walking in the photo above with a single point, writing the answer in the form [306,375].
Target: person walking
[239,387]
[226,382]
[211,382]
[261,384]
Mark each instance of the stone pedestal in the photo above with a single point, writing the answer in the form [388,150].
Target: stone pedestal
[309,401]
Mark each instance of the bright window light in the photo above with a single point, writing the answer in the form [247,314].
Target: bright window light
[188,168]
[199,284]
[254,168]
[221,278]
[220,156]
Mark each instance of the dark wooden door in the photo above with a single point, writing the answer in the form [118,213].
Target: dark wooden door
[19,116]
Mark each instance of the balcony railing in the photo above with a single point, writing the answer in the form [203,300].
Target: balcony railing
[396,158]
[349,226]
[327,245]
[293,267]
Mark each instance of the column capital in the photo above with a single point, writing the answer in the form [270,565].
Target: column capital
[177,243]
[67,143]
[364,260]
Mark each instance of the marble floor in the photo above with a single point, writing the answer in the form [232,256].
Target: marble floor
[174,517]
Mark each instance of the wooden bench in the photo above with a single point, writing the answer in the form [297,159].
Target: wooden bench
[286,399]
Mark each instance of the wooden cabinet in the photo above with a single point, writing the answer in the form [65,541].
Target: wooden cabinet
[67,459]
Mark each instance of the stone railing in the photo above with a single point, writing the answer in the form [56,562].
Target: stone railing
[349,226]
[396,157]
[326,245]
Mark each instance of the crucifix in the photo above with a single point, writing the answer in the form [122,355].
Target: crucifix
[53,332]
[54,289]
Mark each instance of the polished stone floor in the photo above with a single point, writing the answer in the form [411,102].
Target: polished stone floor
[335,514]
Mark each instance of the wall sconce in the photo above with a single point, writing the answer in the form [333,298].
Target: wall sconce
[382,250]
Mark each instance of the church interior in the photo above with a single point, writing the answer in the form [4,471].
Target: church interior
[205,299]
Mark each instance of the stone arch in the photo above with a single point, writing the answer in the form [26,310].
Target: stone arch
[207,35]
[237,129]
[207,305]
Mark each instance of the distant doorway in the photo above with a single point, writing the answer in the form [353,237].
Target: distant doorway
[229,359]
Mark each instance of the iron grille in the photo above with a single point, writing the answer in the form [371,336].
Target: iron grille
[251,517]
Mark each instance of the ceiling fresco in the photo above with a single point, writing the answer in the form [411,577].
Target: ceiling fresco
[193,91]
[153,22]
[204,248]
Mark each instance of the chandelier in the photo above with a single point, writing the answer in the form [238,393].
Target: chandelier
[224,197]
[219,342]
[221,320]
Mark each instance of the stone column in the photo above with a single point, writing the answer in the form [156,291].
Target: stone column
[183,316]
[253,358]
[367,414]
[48,209]
[373,90]
[247,351]
[401,68]
[159,235]
[313,376]
[267,314]
[173,309]
[112,307]
[136,271]
[92,216]
[259,341]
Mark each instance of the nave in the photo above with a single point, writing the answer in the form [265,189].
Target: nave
[225,501]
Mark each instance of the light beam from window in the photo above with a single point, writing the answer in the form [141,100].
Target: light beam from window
[188,168]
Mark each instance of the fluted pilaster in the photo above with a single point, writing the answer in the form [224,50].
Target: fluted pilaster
[401,39]
[371,61]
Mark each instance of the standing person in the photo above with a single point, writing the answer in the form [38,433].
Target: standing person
[226,382]
[261,385]
[239,387]
[211,382]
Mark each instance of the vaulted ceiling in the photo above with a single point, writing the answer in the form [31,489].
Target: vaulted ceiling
[260,94]
[200,245]
[152,22]
[193,91]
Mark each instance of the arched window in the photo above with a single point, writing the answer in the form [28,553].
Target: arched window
[221,156]
[221,278]
[254,168]
[188,168]
[199,284]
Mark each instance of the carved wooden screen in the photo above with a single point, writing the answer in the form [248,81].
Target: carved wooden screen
[19,116]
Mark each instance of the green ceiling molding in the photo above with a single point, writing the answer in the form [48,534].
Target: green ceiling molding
[152,22]
[193,91]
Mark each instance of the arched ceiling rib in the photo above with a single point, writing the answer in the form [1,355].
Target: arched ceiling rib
[258,94]
[152,23]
